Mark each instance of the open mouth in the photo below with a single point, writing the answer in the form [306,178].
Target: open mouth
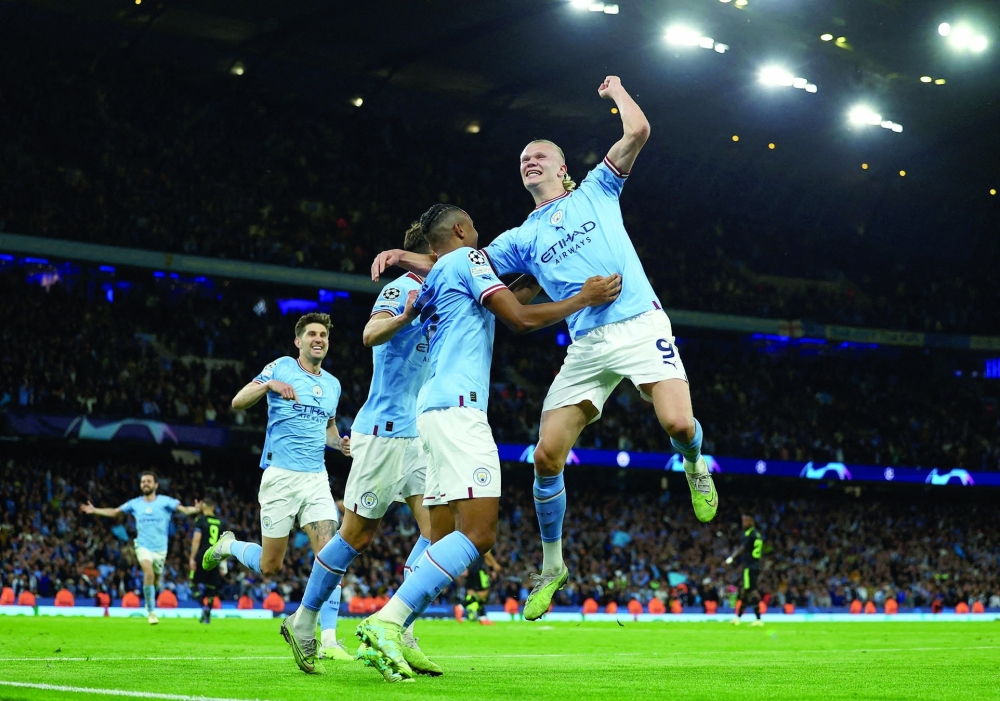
[533,171]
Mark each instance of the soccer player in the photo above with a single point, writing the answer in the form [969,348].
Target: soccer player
[477,587]
[152,514]
[207,529]
[389,461]
[463,470]
[572,234]
[751,547]
[302,401]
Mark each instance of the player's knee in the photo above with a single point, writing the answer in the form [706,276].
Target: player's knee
[269,568]
[679,426]
[547,464]
[483,538]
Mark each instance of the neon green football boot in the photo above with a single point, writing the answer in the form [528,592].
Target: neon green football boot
[704,498]
[381,648]
[540,598]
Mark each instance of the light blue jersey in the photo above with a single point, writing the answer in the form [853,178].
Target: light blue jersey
[574,237]
[296,432]
[460,330]
[152,520]
[401,367]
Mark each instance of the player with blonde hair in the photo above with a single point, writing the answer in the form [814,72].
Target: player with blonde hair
[573,234]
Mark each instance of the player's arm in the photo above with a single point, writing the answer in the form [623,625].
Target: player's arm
[634,123]
[525,288]
[253,392]
[419,263]
[524,318]
[89,508]
[190,510]
[491,561]
[383,327]
[195,545]
[335,440]
[729,560]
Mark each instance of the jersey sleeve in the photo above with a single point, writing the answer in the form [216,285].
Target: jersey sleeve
[479,276]
[172,504]
[503,254]
[201,525]
[604,181]
[127,508]
[391,300]
[268,373]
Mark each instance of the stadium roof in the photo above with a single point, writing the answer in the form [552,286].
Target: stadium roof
[510,64]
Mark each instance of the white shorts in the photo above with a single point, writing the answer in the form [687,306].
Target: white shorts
[157,558]
[463,461]
[383,470]
[286,495]
[641,349]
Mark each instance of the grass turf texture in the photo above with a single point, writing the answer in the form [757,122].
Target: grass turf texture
[237,659]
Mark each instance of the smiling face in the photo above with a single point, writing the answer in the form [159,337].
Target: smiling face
[313,343]
[147,485]
[542,166]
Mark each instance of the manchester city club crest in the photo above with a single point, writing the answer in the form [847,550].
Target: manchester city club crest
[369,500]
[149,509]
[477,257]
[556,218]
[481,476]
[317,390]
[266,521]
[391,293]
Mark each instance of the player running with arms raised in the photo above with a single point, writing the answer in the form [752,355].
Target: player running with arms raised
[152,514]
[302,401]
[574,233]
[464,468]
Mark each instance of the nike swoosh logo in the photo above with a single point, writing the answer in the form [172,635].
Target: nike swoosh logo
[715,503]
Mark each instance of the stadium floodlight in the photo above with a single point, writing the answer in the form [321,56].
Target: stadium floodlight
[580,4]
[596,7]
[978,44]
[963,38]
[826,37]
[775,75]
[939,81]
[811,88]
[800,83]
[898,128]
[682,36]
[721,48]
[944,29]
[706,42]
[925,79]
[611,9]
[357,101]
[864,115]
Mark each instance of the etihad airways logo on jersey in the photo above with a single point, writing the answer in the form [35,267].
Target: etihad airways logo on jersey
[569,244]
[313,413]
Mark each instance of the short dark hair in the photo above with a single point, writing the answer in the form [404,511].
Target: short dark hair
[430,222]
[311,318]
[209,502]
[151,474]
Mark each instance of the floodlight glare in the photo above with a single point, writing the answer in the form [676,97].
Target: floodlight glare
[811,88]
[925,79]
[978,44]
[580,4]
[706,42]
[596,7]
[864,115]
[682,36]
[721,48]
[939,81]
[960,37]
[773,75]
[357,101]
[826,37]
[800,83]
[944,29]
[898,128]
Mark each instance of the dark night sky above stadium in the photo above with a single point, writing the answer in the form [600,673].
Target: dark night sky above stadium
[518,68]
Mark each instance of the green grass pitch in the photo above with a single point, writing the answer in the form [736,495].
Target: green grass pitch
[238,659]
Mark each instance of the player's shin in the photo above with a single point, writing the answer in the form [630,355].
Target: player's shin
[149,594]
[329,612]
[328,570]
[550,507]
[691,450]
[247,553]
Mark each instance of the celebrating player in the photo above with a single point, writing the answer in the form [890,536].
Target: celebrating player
[572,234]
[302,402]
[207,529]
[751,547]
[152,514]
[389,461]
[464,468]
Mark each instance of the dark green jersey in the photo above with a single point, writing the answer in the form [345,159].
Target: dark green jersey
[211,529]
[753,545]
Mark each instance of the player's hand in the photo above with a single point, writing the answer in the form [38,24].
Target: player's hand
[87,508]
[729,560]
[284,389]
[409,312]
[601,290]
[609,87]
[345,445]
[385,259]
[193,565]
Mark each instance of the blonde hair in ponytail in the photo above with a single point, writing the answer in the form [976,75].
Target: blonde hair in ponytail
[568,183]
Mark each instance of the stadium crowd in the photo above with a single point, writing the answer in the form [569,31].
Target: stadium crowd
[132,359]
[133,154]
[622,542]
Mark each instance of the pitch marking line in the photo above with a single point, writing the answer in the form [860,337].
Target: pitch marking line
[117,692]
[695,653]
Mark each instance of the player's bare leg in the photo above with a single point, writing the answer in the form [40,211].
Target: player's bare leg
[149,590]
[672,403]
[560,428]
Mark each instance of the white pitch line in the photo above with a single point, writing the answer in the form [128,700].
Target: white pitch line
[117,692]
[692,653]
